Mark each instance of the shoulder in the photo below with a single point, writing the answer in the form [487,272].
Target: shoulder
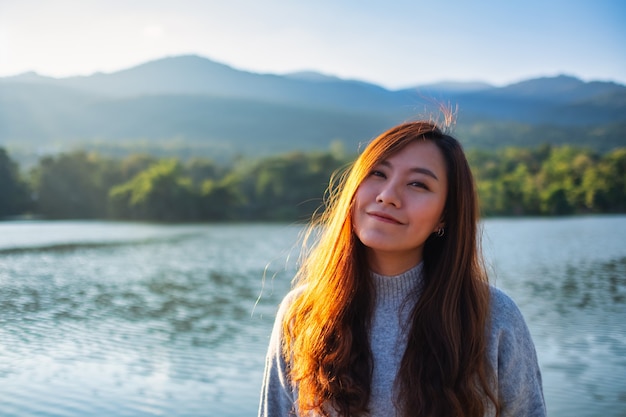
[285,304]
[513,357]
[277,336]
[504,311]
[289,299]
[277,393]
[508,331]
[501,300]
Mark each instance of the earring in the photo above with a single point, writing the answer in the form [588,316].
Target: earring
[440,232]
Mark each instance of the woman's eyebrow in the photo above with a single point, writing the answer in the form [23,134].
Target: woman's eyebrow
[417,170]
[424,171]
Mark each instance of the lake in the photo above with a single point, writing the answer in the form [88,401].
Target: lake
[131,319]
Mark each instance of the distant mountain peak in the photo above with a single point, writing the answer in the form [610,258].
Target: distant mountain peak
[456,86]
[557,81]
[312,76]
[178,62]
[560,88]
[27,77]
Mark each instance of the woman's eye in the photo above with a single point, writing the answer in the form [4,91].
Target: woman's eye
[377,174]
[419,184]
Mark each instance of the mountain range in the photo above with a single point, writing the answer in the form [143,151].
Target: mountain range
[195,103]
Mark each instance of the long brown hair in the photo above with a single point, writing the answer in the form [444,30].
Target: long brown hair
[444,371]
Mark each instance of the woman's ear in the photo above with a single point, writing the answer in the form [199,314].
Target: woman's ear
[440,229]
[442,222]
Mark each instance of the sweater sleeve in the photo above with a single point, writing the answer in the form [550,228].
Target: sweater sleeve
[277,392]
[520,389]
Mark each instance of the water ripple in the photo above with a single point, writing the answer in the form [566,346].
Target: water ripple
[166,320]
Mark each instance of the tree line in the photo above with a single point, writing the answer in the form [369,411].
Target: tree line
[546,180]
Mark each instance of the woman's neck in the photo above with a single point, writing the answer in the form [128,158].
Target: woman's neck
[392,263]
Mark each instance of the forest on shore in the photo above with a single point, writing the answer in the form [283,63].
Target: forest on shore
[545,180]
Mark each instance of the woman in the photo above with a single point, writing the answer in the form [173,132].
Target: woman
[392,314]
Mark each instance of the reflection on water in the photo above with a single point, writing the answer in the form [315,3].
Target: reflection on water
[583,343]
[101,319]
[598,286]
[569,278]
[136,325]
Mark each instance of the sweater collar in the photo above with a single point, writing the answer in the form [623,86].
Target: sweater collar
[396,288]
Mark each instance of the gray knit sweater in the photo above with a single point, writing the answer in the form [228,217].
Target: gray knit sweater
[510,350]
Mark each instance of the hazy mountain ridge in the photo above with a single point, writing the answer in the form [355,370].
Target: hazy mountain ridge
[562,88]
[200,76]
[190,98]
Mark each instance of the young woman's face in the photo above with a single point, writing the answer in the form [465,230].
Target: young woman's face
[399,205]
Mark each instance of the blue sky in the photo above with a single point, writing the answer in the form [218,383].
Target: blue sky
[391,43]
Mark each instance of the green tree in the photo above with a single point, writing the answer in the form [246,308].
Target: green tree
[133,165]
[72,185]
[158,193]
[560,180]
[612,177]
[291,186]
[547,180]
[14,193]
[201,169]
[222,199]
[490,193]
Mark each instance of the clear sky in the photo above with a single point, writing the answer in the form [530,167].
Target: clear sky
[394,43]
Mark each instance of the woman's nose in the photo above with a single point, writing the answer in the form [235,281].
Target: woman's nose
[389,194]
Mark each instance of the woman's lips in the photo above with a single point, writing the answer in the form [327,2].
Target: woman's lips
[384,217]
